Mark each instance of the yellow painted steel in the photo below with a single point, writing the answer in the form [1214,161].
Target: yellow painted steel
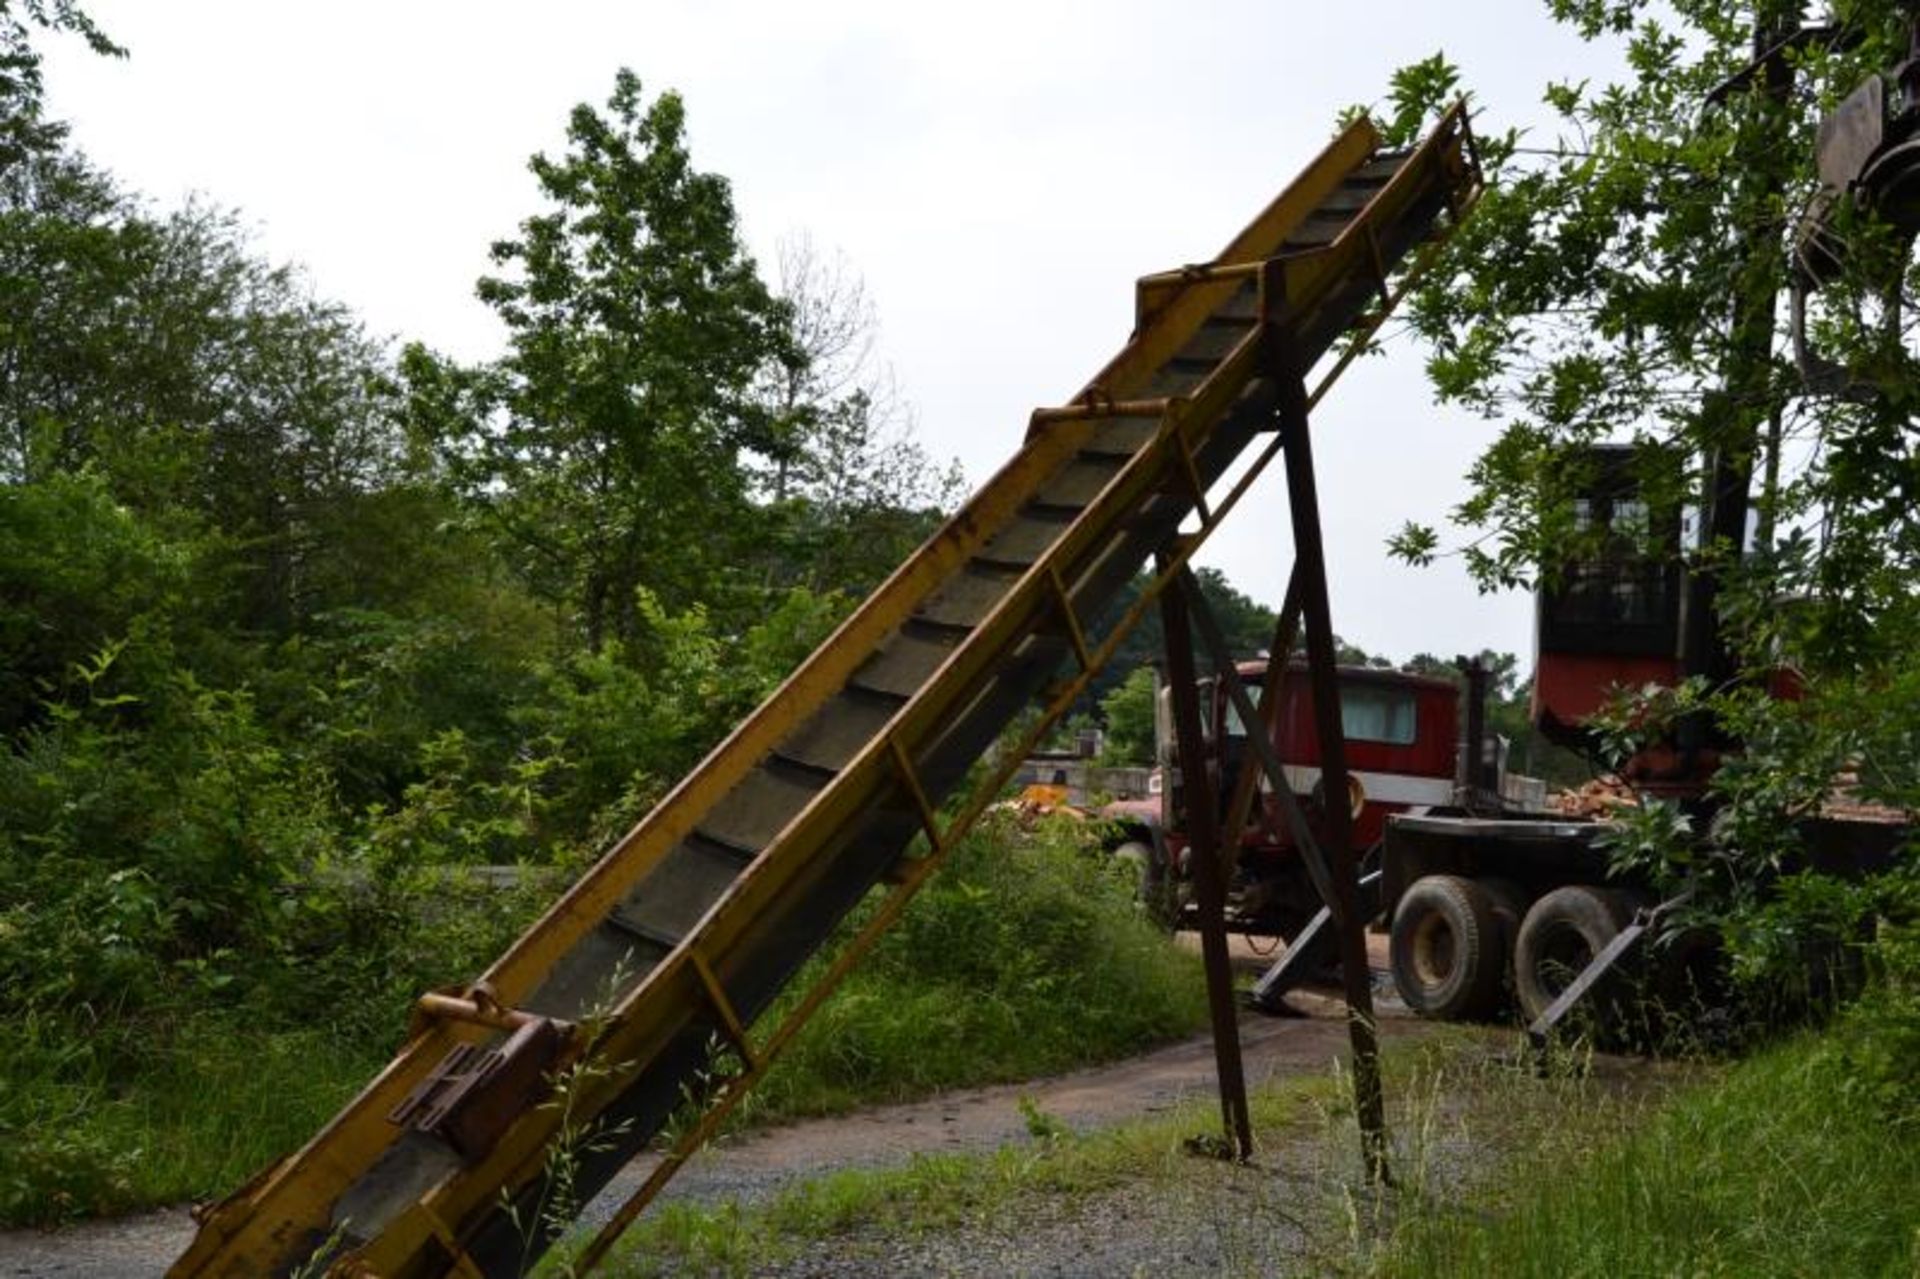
[922,868]
[253,1231]
[1169,314]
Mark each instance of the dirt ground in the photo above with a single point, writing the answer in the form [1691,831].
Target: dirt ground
[759,1164]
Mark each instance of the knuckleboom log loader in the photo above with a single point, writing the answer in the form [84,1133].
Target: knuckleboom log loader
[635,1011]
[1485,901]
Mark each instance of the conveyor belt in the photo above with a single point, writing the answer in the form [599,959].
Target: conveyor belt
[652,968]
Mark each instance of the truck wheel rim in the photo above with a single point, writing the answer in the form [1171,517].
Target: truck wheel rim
[1433,951]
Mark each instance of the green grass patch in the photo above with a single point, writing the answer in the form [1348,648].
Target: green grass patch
[1803,1159]
[179,1112]
[1797,1161]
[1026,955]
[1304,1121]
[946,1191]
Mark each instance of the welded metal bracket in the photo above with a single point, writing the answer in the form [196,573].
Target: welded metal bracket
[473,1096]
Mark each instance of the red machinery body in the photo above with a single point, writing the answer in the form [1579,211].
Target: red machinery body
[1568,688]
[1402,742]
[1402,736]
[1611,617]
[1616,618]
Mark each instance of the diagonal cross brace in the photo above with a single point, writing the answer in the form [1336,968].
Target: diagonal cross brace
[1273,696]
[1209,879]
[1261,744]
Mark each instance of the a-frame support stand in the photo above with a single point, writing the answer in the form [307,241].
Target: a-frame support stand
[1325,844]
[1310,567]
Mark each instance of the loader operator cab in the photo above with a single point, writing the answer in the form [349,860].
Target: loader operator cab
[1610,615]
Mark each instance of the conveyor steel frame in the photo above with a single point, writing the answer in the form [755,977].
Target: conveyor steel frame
[252,1231]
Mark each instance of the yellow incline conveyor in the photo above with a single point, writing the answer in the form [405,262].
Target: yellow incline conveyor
[641,986]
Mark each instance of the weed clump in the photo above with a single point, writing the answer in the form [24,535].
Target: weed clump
[1025,955]
[1798,1160]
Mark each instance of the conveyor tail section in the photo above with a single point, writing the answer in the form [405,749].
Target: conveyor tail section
[641,984]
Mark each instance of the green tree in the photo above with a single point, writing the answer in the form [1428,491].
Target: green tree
[608,447]
[205,384]
[1626,281]
[862,495]
[853,492]
[24,131]
[1129,713]
[1626,278]
[1246,624]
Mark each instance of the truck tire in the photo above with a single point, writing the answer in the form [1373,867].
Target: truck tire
[1445,942]
[1509,902]
[1559,937]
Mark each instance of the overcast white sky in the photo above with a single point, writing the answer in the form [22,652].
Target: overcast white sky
[999,173]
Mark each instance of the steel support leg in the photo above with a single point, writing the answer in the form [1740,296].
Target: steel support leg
[1203,826]
[1310,571]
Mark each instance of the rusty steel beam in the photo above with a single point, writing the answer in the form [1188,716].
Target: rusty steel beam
[1261,749]
[1095,406]
[1273,685]
[477,1008]
[1210,890]
[1336,821]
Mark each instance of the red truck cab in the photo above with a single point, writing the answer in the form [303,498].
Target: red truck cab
[1402,741]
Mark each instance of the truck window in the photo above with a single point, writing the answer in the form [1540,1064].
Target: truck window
[1235,727]
[1374,714]
[1367,713]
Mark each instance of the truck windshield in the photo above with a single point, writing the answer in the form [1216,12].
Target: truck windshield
[1368,713]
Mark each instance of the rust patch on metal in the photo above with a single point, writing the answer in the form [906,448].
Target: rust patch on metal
[473,1096]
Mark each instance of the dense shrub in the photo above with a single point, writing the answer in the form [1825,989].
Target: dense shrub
[1025,955]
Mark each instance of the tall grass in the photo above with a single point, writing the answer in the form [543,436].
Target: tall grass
[1024,956]
[1796,1161]
[956,1191]
[202,1102]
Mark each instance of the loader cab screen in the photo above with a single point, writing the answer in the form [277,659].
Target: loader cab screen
[1621,592]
